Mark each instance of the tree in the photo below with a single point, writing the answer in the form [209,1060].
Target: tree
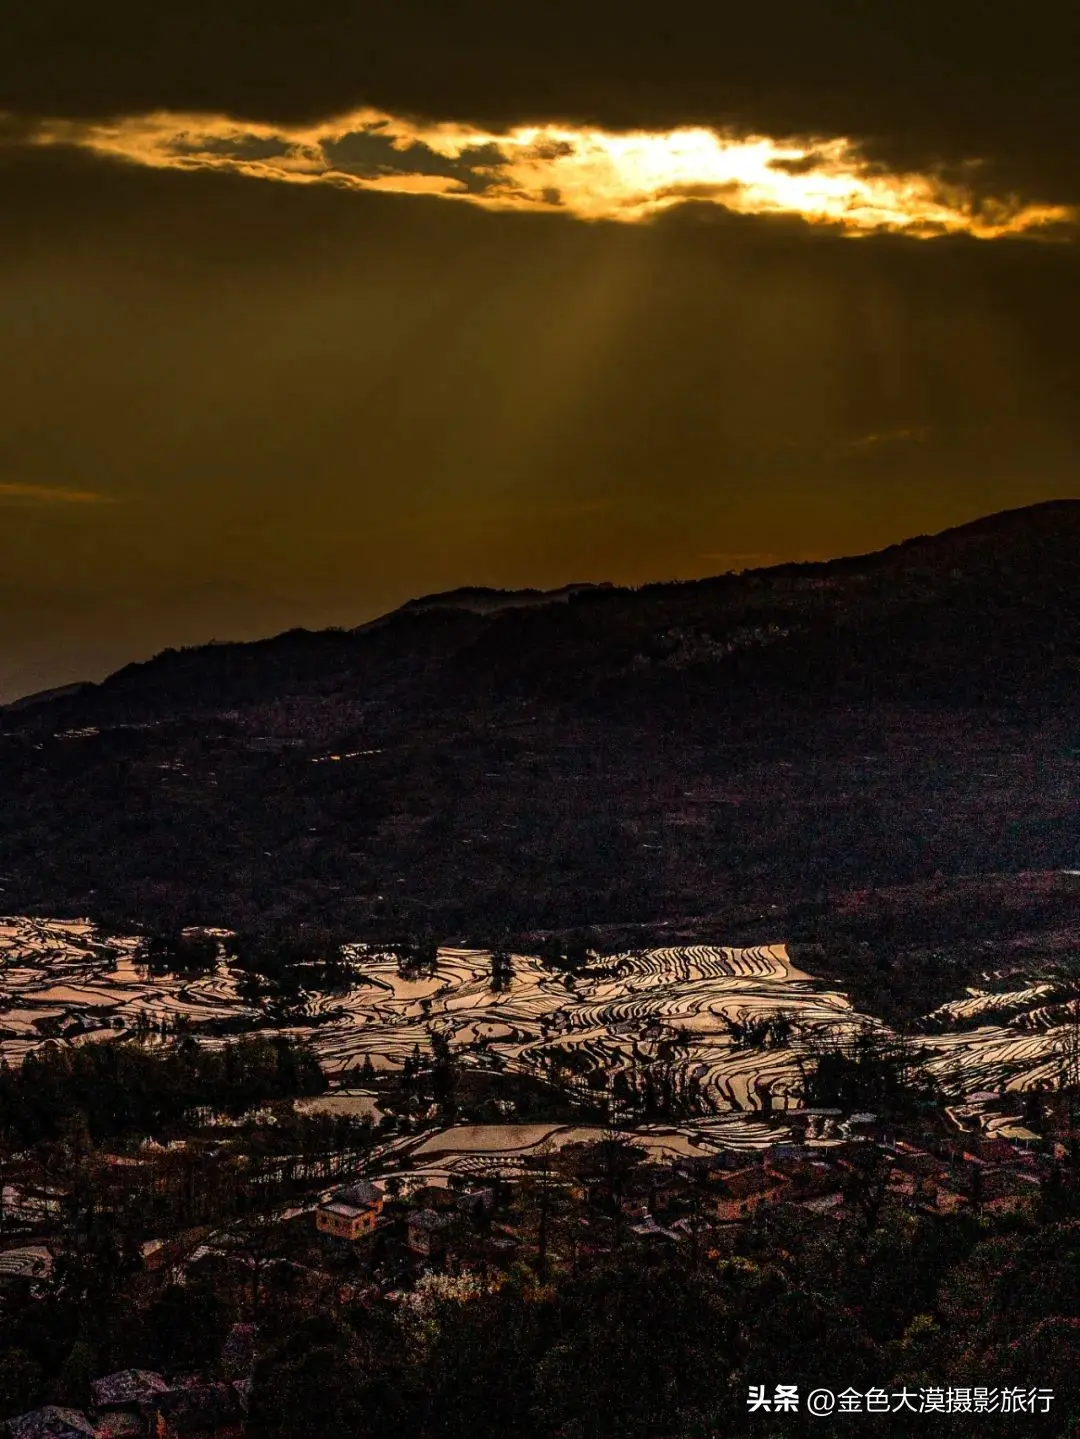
[20,1382]
[644,1355]
[186,1327]
[443,1074]
[186,953]
[330,1377]
[502,969]
[865,1188]
[1068,1049]
[254,1240]
[72,1386]
[548,1213]
[416,958]
[872,1069]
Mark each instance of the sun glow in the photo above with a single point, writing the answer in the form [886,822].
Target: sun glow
[588,173]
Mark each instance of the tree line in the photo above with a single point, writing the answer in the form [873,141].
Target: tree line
[121,1086]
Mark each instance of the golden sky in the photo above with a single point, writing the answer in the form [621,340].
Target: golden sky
[587,173]
[309,310]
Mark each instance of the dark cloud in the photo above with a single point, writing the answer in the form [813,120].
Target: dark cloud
[366,153]
[920,82]
[550,149]
[803,166]
[716,193]
[16,130]
[370,154]
[240,147]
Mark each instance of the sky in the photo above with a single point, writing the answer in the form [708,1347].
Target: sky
[307,310]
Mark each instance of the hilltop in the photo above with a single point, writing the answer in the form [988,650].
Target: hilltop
[743,750]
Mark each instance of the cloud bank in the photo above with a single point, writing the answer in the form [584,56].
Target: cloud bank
[588,173]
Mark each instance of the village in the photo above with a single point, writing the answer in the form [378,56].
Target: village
[465,1126]
[405,1235]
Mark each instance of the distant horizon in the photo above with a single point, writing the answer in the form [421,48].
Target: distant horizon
[74,680]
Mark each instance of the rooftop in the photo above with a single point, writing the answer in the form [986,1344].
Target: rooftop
[346,1211]
[361,1194]
[52,1422]
[749,1181]
[427,1219]
[127,1386]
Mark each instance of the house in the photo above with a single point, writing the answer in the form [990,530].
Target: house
[135,1404]
[476,1201]
[812,1118]
[51,1422]
[813,1180]
[672,1192]
[830,1204]
[350,1213]
[742,1192]
[435,1196]
[993,1151]
[690,1226]
[787,1150]
[157,1254]
[126,1388]
[634,1207]
[918,1164]
[650,1232]
[153,1254]
[702,1166]
[124,1404]
[426,1231]
[360,1192]
[1004,1192]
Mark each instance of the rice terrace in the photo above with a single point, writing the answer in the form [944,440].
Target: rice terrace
[735,1027]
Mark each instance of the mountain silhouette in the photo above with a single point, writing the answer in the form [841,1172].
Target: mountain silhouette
[486,761]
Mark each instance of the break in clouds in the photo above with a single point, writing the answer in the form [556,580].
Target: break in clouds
[592,174]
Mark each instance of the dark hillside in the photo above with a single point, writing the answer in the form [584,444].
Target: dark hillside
[613,757]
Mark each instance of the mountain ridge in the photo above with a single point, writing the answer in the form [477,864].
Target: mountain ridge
[481,599]
[653,756]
